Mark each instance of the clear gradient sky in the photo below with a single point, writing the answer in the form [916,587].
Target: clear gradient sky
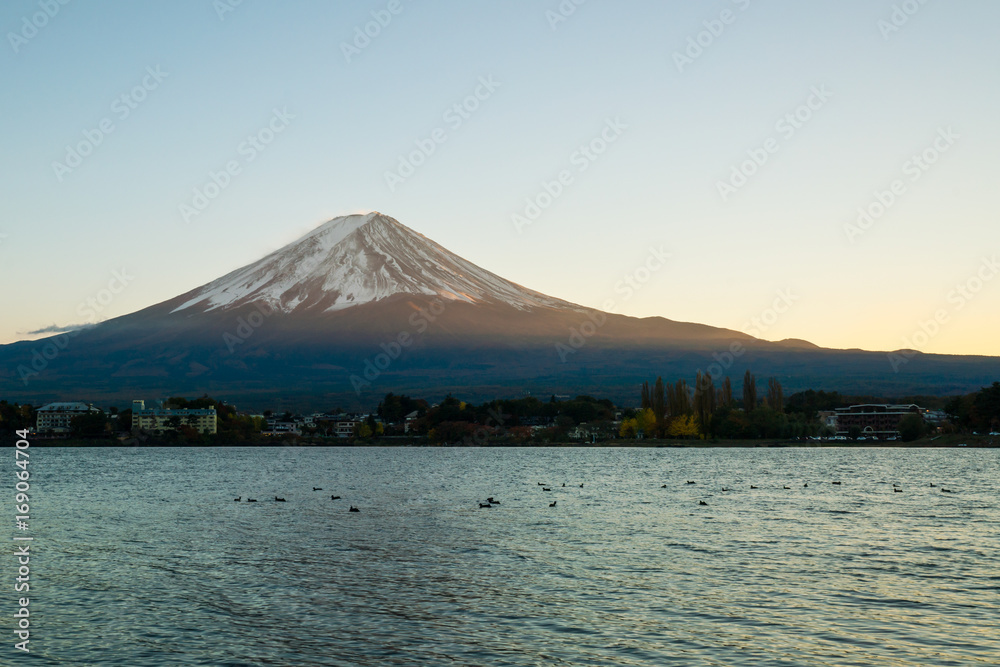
[886,80]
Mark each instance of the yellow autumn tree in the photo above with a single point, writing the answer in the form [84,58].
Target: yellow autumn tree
[645,420]
[685,426]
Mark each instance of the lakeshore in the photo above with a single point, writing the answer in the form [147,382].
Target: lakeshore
[942,441]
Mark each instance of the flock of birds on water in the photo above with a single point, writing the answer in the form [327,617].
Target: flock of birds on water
[281,500]
[492,502]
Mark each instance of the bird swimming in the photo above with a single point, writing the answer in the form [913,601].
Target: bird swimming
[317,488]
[752,486]
[545,489]
[787,487]
[353,509]
[835,482]
[492,502]
[806,485]
[689,482]
[251,500]
[278,500]
[552,504]
[334,497]
[702,502]
[238,499]
[482,506]
[897,490]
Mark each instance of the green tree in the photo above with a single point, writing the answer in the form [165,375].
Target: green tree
[985,410]
[90,425]
[911,427]
[124,420]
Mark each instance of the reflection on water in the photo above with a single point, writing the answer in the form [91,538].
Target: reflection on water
[142,557]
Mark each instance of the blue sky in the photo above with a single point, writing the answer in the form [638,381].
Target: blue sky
[867,86]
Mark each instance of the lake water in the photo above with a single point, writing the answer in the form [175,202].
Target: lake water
[141,557]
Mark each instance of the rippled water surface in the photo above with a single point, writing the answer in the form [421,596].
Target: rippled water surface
[141,557]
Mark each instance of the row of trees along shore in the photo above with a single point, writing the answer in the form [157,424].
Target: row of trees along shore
[677,410]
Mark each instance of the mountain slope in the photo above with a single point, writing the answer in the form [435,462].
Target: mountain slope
[363,305]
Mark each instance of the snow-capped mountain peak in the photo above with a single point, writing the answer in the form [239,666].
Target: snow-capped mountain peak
[358,259]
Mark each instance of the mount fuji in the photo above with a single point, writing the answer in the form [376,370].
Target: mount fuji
[363,305]
[355,260]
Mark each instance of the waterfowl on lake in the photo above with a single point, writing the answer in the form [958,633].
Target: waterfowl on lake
[787,487]
[278,500]
[689,482]
[334,497]
[552,504]
[492,502]
[564,484]
[251,500]
[806,485]
[752,486]
[664,486]
[353,509]
[581,486]
[238,499]
[317,488]
[702,502]
[546,489]
[483,506]
[835,482]
[897,490]
[724,489]
[946,491]
[933,484]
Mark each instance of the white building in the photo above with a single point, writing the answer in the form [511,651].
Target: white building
[56,417]
[278,427]
[345,429]
[158,420]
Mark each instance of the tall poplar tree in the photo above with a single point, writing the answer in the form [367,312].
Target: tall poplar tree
[659,408]
[704,401]
[726,394]
[749,392]
[775,396]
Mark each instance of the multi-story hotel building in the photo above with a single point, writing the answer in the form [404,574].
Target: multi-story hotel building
[881,421]
[56,417]
[158,420]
